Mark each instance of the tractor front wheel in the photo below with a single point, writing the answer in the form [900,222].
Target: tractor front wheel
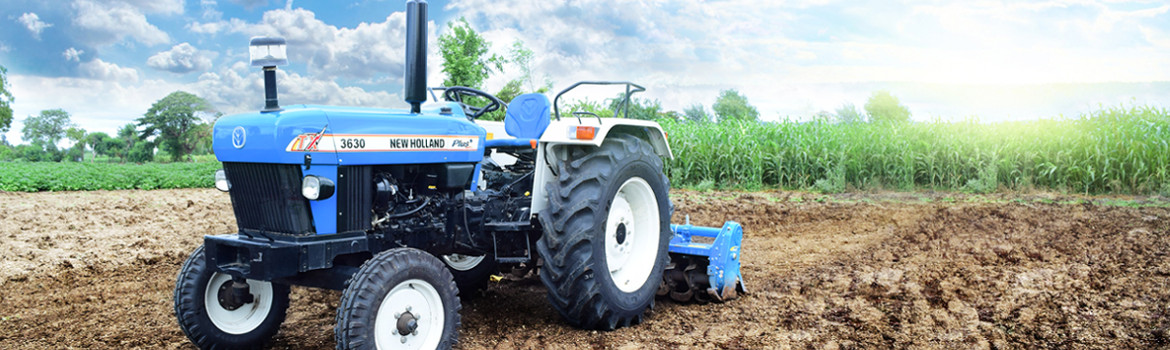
[606,232]
[208,314]
[402,298]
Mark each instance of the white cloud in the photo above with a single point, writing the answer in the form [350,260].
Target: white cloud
[33,23]
[209,10]
[213,28]
[373,52]
[182,58]
[251,4]
[164,7]
[241,89]
[110,22]
[72,54]
[102,70]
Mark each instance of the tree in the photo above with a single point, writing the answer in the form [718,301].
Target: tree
[115,147]
[465,57]
[510,90]
[203,141]
[142,152]
[848,114]
[697,113]
[6,100]
[76,153]
[46,129]
[883,107]
[129,134]
[522,58]
[97,141]
[730,105]
[75,134]
[173,120]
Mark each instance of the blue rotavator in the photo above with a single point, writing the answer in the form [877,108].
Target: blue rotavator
[404,210]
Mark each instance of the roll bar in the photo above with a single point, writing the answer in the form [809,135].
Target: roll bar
[631,88]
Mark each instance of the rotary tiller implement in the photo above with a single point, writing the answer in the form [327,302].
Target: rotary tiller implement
[704,272]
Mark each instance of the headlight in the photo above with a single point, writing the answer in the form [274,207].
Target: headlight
[316,187]
[221,181]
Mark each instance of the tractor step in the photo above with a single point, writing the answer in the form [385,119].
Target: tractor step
[505,258]
[704,271]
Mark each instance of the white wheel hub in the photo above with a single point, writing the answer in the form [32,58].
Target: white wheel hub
[461,262]
[411,317]
[631,234]
[243,319]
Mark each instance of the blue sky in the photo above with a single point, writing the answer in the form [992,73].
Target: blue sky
[106,61]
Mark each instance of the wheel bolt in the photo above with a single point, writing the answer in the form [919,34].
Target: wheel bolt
[404,339]
[394,332]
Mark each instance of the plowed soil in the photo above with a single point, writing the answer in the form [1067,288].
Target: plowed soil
[97,269]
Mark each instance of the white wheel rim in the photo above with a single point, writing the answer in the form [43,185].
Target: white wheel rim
[462,262]
[422,301]
[243,319]
[634,212]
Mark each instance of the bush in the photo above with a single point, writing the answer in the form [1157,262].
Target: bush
[142,152]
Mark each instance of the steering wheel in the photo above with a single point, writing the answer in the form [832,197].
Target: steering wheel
[458,93]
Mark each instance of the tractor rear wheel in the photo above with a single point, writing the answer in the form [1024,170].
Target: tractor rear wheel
[606,232]
[210,318]
[402,298]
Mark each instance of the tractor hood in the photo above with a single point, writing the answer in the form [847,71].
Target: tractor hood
[349,136]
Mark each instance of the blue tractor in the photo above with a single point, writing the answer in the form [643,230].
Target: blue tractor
[406,210]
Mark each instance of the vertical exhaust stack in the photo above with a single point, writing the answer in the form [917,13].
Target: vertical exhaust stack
[268,52]
[416,54]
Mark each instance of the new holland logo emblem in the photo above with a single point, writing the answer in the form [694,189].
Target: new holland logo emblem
[239,137]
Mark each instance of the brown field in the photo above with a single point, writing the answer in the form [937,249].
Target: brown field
[97,269]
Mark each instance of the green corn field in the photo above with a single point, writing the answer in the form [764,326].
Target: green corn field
[1121,150]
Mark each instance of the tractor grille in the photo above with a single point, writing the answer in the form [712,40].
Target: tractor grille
[267,197]
[355,198]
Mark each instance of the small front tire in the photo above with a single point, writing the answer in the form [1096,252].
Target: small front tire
[402,298]
[212,325]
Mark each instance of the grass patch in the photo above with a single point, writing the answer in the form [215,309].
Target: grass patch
[49,176]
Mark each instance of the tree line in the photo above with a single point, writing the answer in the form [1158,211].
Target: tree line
[179,125]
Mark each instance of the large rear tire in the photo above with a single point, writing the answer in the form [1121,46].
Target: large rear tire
[402,298]
[212,324]
[606,232]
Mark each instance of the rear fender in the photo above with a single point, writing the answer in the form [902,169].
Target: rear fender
[561,133]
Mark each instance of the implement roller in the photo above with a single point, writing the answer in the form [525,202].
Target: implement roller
[704,272]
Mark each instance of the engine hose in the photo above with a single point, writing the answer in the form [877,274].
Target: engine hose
[518,180]
[426,202]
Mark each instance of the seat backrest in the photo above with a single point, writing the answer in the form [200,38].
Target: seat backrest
[527,116]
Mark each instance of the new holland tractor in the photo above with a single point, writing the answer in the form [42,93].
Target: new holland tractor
[406,210]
